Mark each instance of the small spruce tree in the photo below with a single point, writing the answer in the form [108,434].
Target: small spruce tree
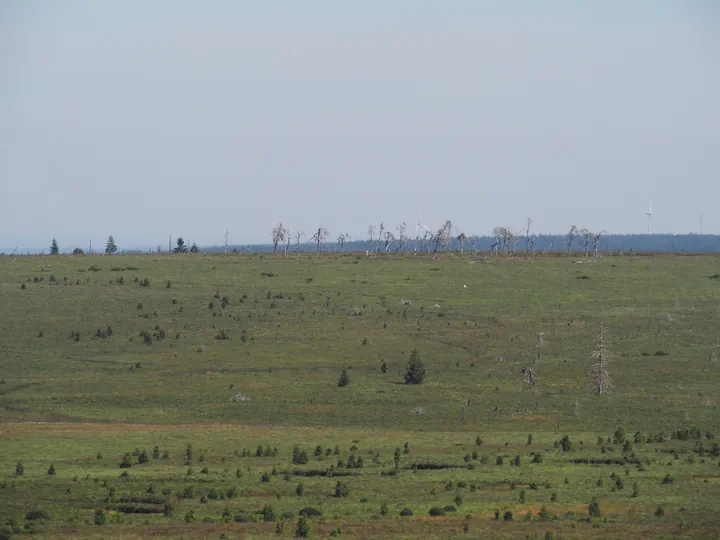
[51,470]
[344,379]
[302,530]
[54,249]
[415,371]
[110,246]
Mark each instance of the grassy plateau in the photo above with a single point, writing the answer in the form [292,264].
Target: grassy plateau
[197,396]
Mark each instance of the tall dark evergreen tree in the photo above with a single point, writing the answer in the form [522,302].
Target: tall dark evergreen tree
[194,248]
[54,249]
[181,247]
[415,371]
[110,247]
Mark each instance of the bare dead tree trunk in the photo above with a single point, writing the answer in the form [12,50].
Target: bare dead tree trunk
[571,235]
[342,239]
[527,234]
[298,236]
[319,238]
[586,237]
[596,242]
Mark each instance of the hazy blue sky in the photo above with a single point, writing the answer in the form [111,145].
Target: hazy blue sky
[142,118]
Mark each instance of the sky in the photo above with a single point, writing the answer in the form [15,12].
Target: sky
[143,119]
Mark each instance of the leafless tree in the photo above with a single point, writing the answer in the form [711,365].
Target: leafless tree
[599,370]
[298,236]
[320,237]
[342,239]
[371,232]
[402,236]
[286,246]
[279,234]
[226,241]
[533,238]
[514,238]
[596,242]
[443,236]
[379,238]
[389,239]
[527,234]
[587,235]
[462,239]
[571,236]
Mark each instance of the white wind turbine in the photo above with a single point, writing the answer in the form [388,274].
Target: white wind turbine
[649,215]
[421,232]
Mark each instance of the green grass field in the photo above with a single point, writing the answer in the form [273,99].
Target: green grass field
[81,397]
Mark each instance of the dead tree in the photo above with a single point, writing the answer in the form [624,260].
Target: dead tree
[278,236]
[596,242]
[571,236]
[286,246]
[527,235]
[402,237]
[379,238]
[442,236]
[389,239]
[599,371]
[587,235]
[533,238]
[320,237]
[371,232]
[342,239]
[298,236]
[462,239]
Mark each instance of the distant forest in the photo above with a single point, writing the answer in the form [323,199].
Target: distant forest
[623,243]
[543,243]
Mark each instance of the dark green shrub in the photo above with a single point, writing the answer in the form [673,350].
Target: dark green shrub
[51,470]
[309,511]
[406,512]
[436,511]
[565,444]
[508,516]
[669,479]
[99,517]
[168,510]
[341,489]
[594,508]
[660,511]
[34,515]
[302,529]
[268,513]
[384,510]
[344,379]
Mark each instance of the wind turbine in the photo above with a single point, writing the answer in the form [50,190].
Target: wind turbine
[421,232]
[649,215]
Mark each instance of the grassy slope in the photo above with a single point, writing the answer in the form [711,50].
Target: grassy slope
[296,343]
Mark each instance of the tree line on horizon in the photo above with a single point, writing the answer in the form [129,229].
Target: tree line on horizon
[502,241]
